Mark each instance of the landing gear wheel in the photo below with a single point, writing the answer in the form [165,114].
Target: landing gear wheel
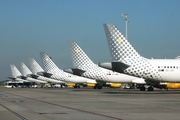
[150,89]
[142,88]
[99,87]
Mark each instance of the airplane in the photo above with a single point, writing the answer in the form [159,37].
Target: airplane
[16,74]
[161,73]
[58,74]
[82,62]
[27,75]
[36,68]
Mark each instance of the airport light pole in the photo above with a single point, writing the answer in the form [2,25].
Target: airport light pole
[125,16]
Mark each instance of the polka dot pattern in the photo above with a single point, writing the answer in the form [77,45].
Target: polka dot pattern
[122,50]
[81,61]
[50,67]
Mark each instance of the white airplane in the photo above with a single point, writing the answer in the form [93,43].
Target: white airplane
[27,74]
[86,68]
[16,75]
[36,68]
[58,74]
[126,59]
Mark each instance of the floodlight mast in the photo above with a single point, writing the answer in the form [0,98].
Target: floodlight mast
[125,16]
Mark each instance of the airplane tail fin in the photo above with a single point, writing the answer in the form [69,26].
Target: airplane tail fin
[15,71]
[24,69]
[49,65]
[35,67]
[79,57]
[119,46]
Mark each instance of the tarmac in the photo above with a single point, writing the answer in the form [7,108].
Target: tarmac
[88,104]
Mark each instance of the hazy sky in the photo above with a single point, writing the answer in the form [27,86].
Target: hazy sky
[28,27]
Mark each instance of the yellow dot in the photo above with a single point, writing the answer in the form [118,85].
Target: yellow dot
[77,51]
[119,40]
[47,59]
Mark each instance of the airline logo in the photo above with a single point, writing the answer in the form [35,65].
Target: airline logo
[77,51]
[119,40]
[14,68]
[34,63]
[46,59]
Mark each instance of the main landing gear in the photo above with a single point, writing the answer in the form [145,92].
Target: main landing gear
[150,88]
[98,86]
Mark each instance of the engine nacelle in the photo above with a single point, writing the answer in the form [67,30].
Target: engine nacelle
[173,85]
[115,85]
[169,85]
[91,85]
[71,84]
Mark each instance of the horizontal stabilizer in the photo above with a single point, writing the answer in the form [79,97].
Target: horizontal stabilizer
[34,76]
[45,74]
[75,71]
[22,77]
[115,66]
[11,78]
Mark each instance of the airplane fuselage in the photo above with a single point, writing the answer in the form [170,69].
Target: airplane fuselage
[162,70]
[105,75]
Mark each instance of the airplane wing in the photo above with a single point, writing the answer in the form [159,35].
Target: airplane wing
[115,66]
[75,71]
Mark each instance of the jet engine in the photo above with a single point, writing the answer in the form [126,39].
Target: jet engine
[90,85]
[168,85]
[114,85]
[70,84]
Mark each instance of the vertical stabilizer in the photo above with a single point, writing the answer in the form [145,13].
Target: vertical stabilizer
[123,51]
[24,69]
[50,67]
[83,62]
[79,57]
[15,71]
[119,47]
[35,67]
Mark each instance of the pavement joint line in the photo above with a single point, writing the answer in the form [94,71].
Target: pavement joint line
[80,110]
[18,115]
